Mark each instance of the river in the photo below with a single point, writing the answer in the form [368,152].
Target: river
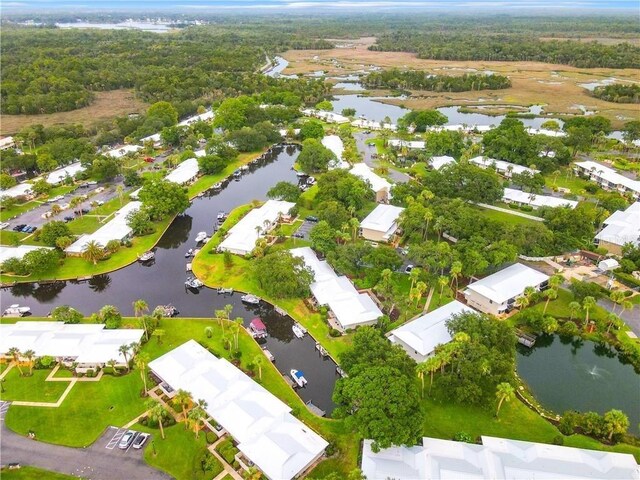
[163,281]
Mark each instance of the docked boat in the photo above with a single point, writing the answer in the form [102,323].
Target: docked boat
[322,350]
[222,216]
[257,328]
[201,237]
[298,377]
[146,256]
[217,186]
[244,168]
[189,253]
[16,310]
[298,330]
[188,267]
[250,299]
[168,310]
[224,291]
[279,311]
[301,174]
[269,355]
[340,371]
[237,173]
[193,282]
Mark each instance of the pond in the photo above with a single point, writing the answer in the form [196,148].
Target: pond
[162,282]
[566,374]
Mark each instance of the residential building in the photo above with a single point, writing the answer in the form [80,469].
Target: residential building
[438,162]
[87,345]
[17,252]
[546,131]
[61,174]
[535,201]
[203,117]
[373,125]
[420,337]
[496,458]
[243,236]
[334,143]
[381,224]
[268,435]
[155,139]
[7,142]
[380,186]
[328,117]
[185,172]
[20,190]
[608,178]
[622,227]
[497,293]
[505,169]
[348,307]
[116,229]
[411,144]
[120,152]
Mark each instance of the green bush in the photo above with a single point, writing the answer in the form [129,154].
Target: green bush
[211,437]
[463,437]
[334,332]
[558,440]
[91,373]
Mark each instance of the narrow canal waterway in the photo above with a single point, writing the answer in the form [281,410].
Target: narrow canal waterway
[163,282]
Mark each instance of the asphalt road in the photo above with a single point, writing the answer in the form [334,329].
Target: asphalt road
[630,317]
[367,151]
[95,462]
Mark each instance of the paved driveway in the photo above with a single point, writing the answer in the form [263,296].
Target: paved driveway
[101,461]
[367,151]
[630,317]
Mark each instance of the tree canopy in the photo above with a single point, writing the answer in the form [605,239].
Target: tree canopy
[281,275]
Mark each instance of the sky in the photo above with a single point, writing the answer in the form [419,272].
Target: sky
[566,6]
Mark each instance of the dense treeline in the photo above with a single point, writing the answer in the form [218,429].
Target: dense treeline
[446,46]
[618,93]
[414,79]
[51,70]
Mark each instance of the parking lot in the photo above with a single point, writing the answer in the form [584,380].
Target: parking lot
[304,229]
[110,440]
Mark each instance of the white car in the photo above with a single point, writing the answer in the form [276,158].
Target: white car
[408,269]
[126,440]
[3,225]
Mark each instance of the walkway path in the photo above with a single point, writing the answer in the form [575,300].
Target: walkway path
[428,302]
[225,465]
[510,212]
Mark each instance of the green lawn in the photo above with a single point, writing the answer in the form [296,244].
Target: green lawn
[89,408]
[504,217]
[207,181]
[31,389]
[33,473]
[288,229]
[568,180]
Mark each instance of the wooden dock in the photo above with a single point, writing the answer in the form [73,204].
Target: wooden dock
[526,339]
[315,409]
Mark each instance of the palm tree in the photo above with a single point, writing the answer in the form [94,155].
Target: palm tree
[421,369]
[574,308]
[258,361]
[587,304]
[196,416]
[355,226]
[157,412]
[443,281]
[522,302]
[219,314]
[454,273]
[617,297]
[428,216]
[236,325]
[15,353]
[432,364]
[228,308]
[30,355]
[120,193]
[612,319]
[505,393]
[529,292]
[615,422]
[158,333]
[93,252]
[551,294]
[112,364]
[414,274]
[75,201]
[626,305]
[141,361]
[55,209]
[183,398]
[124,350]
[140,307]
[420,288]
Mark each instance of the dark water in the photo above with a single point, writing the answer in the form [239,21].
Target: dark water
[580,375]
[163,282]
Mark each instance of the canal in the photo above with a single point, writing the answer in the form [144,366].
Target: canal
[574,374]
[163,281]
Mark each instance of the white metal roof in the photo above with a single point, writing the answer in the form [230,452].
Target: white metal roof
[243,235]
[6,142]
[334,143]
[122,151]
[609,175]
[438,162]
[151,138]
[329,117]
[350,307]
[623,226]
[508,283]
[208,115]
[373,125]
[414,144]
[513,195]
[496,458]
[60,174]
[185,172]
[86,343]
[428,331]
[17,190]
[17,252]
[267,433]
[545,131]
[378,183]
[501,165]
[383,218]
[115,229]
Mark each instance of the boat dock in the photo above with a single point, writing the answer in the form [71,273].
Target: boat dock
[526,339]
[315,409]
[322,350]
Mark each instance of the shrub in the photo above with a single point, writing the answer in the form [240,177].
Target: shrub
[211,437]
[558,440]
[91,373]
[463,437]
[568,329]
[334,333]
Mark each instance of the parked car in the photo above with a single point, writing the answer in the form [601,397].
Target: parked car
[92,182]
[32,229]
[298,235]
[139,441]
[408,269]
[311,218]
[84,185]
[25,229]
[148,159]
[18,228]
[126,440]
[68,218]
[3,225]
[84,211]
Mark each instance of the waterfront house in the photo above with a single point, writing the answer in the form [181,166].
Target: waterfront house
[381,224]
[505,169]
[380,186]
[518,197]
[61,174]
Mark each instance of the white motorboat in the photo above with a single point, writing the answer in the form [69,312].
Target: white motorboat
[269,355]
[16,310]
[217,186]
[301,174]
[193,283]
[222,216]
[298,377]
[250,299]
[280,311]
[189,253]
[224,291]
[244,168]
[201,236]
[298,330]
[146,256]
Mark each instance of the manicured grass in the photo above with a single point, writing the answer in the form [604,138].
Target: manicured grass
[31,388]
[89,408]
[33,473]
[288,229]
[504,217]
[207,181]
[568,180]
[177,453]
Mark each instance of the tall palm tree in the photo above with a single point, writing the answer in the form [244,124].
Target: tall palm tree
[615,422]
[124,350]
[414,274]
[195,418]
[443,281]
[141,361]
[220,314]
[504,393]
[432,364]
[587,304]
[93,252]
[30,355]
[454,273]
[428,216]
[420,288]
[258,361]
[617,297]
[421,369]
[238,322]
[612,319]
[140,307]
[182,398]
[120,193]
[157,412]
[228,308]
[551,294]
[75,201]
[626,305]
[574,308]
[354,223]
[529,292]
[15,353]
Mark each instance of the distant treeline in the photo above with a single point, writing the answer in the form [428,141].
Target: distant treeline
[618,93]
[414,79]
[46,70]
[441,46]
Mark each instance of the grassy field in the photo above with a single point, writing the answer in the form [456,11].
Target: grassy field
[33,473]
[31,389]
[105,106]
[555,86]
[505,217]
